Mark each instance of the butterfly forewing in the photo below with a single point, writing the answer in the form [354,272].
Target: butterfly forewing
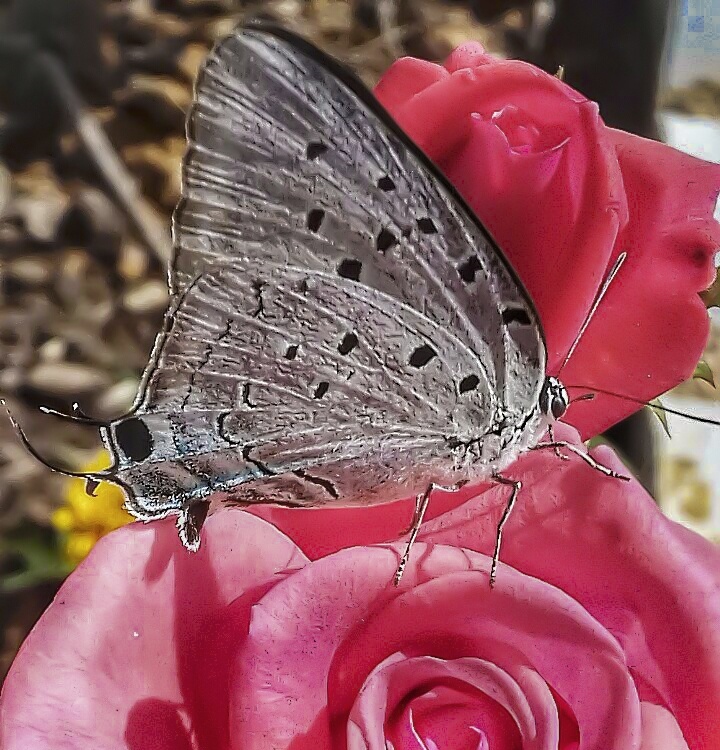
[288,146]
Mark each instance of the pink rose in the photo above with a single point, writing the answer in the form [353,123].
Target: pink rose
[564,195]
[602,633]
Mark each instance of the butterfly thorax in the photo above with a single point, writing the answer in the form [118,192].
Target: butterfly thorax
[494,451]
[511,434]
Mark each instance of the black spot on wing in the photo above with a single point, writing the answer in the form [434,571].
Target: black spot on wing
[422,355]
[468,269]
[469,383]
[386,184]
[427,226]
[315,219]
[349,268]
[133,438]
[516,315]
[385,240]
[315,149]
[321,389]
[349,342]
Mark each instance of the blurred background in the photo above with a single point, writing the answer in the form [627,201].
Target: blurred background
[93,95]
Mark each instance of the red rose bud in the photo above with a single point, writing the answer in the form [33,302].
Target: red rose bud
[564,195]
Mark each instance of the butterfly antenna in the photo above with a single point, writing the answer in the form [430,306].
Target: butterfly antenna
[75,416]
[582,397]
[90,475]
[659,407]
[596,303]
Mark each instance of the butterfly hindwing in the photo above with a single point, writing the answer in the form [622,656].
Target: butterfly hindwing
[276,371]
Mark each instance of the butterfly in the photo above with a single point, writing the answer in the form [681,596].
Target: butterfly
[342,330]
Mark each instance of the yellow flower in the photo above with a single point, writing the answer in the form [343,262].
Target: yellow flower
[83,519]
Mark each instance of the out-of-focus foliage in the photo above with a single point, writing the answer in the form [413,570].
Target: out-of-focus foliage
[656,408]
[703,371]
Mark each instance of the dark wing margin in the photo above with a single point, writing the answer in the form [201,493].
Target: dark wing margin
[292,160]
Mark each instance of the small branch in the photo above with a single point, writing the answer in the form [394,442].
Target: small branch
[151,231]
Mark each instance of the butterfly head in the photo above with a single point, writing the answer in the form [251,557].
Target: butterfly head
[554,399]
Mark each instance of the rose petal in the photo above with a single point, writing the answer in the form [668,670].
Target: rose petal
[671,241]
[406,78]
[134,651]
[660,730]
[451,717]
[445,608]
[605,542]
[514,707]
[467,55]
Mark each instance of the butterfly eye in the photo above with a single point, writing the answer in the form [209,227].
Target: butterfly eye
[558,406]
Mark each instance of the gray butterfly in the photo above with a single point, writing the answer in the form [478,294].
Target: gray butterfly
[343,330]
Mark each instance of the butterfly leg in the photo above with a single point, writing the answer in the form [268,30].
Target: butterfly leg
[589,460]
[190,522]
[421,503]
[551,435]
[516,487]
[416,514]
[91,486]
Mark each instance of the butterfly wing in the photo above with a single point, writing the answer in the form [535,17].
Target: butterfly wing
[311,226]
[286,145]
